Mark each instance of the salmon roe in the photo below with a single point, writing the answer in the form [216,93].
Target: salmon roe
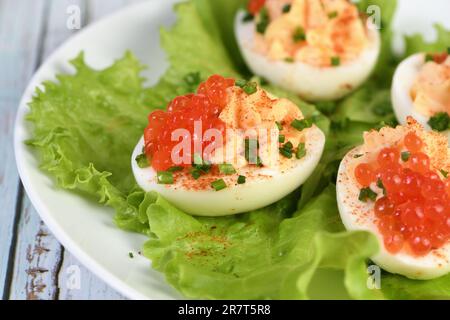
[254,6]
[182,112]
[414,211]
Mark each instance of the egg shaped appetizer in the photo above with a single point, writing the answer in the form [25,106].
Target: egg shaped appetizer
[229,148]
[396,185]
[421,89]
[319,49]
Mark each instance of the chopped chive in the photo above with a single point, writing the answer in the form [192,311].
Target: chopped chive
[131,255]
[405,156]
[263,23]
[332,14]
[218,184]
[200,164]
[289,60]
[288,145]
[259,162]
[301,124]
[335,61]
[299,34]
[241,179]
[193,78]
[444,173]
[226,168]
[440,121]
[164,177]
[142,161]
[357,156]
[286,153]
[301,151]
[248,17]
[241,83]
[286,8]
[279,126]
[367,194]
[175,169]
[250,88]
[429,57]
[381,186]
[281,138]
[195,173]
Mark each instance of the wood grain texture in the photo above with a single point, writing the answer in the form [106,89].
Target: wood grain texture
[38,255]
[19,55]
[41,268]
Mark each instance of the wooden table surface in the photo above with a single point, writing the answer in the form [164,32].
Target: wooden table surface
[33,264]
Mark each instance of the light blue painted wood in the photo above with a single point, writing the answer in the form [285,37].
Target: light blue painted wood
[19,53]
[38,255]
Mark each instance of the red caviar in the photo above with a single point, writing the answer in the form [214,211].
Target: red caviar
[414,211]
[255,5]
[182,112]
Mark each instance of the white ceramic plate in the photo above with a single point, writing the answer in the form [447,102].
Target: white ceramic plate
[87,229]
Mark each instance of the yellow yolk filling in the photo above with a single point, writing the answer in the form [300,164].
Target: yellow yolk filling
[431,90]
[332,28]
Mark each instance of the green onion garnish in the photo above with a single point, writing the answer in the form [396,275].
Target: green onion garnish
[142,161]
[299,35]
[444,173]
[281,138]
[193,78]
[405,156]
[251,150]
[279,126]
[335,61]
[429,57]
[356,156]
[175,169]
[241,83]
[301,151]
[250,88]
[381,186]
[218,184]
[301,124]
[286,153]
[195,173]
[164,177]
[264,21]
[332,14]
[131,255]
[241,179]
[440,121]
[289,60]
[226,168]
[286,8]
[367,194]
[288,145]
[248,17]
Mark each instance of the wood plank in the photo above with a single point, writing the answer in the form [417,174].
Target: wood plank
[19,54]
[39,255]
[90,287]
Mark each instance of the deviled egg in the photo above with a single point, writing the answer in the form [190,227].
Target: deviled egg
[396,185]
[229,148]
[319,49]
[421,89]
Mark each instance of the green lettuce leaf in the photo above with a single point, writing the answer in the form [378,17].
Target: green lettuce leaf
[416,43]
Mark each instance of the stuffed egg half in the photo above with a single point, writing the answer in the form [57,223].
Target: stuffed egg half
[321,50]
[421,89]
[396,185]
[228,181]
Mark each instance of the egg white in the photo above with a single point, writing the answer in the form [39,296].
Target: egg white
[402,82]
[357,215]
[256,193]
[310,82]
